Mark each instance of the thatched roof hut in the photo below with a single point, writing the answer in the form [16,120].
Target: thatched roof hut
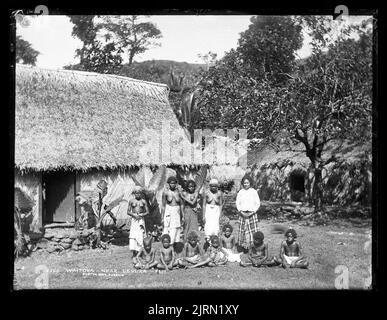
[282,174]
[73,128]
[81,120]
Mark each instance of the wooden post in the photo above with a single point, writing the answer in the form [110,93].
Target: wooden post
[77,188]
[39,204]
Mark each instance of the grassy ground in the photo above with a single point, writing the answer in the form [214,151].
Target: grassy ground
[339,244]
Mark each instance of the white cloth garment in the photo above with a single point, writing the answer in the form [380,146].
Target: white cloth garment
[289,259]
[172,223]
[212,216]
[233,257]
[136,234]
[248,200]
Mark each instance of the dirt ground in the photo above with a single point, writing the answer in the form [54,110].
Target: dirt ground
[335,251]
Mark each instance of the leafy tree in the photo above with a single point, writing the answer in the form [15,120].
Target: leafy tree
[330,98]
[130,34]
[327,97]
[24,52]
[268,46]
[208,58]
[94,55]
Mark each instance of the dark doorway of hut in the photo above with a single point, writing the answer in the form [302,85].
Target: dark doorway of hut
[297,185]
[59,197]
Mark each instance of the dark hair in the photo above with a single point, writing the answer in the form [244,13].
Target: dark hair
[192,235]
[171,179]
[258,235]
[190,182]
[248,178]
[227,225]
[213,238]
[165,236]
[292,232]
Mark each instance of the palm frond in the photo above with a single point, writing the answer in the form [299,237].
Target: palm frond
[138,179]
[157,181]
[201,176]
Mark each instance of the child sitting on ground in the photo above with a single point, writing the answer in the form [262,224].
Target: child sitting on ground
[258,255]
[145,258]
[216,255]
[167,254]
[228,242]
[192,253]
[290,252]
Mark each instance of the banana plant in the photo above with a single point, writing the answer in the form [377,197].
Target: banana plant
[152,191]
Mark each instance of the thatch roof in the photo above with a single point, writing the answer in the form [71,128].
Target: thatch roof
[267,154]
[80,120]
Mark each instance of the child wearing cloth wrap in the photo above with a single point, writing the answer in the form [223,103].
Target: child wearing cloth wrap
[212,210]
[172,211]
[215,256]
[137,209]
[258,255]
[290,252]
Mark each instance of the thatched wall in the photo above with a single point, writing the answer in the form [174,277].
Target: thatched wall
[79,120]
[28,198]
[345,181]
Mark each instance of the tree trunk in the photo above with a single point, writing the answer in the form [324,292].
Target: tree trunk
[131,56]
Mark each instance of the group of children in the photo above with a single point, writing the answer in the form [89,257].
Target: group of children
[179,211]
[220,251]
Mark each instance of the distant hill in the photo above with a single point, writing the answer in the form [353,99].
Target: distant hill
[160,71]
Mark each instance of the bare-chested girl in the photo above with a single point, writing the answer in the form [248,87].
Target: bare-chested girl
[290,252]
[145,258]
[172,211]
[228,242]
[192,253]
[137,209]
[258,255]
[167,254]
[212,209]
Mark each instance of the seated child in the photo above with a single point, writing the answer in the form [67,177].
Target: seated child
[167,254]
[145,258]
[258,253]
[290,254]
[192,253]
[216,255]
[228,243]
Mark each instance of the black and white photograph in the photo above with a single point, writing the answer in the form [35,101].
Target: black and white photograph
[193,150]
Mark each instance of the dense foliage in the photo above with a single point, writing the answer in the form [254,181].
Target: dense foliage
[24,52]
[326,97]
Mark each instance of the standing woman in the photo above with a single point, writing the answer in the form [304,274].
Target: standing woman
[247,203]
[190,199]
[172,208]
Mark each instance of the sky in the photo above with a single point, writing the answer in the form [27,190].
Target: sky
[184,37]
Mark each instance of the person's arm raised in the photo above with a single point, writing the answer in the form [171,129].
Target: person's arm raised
[221,200]
[204,204]
[163,203]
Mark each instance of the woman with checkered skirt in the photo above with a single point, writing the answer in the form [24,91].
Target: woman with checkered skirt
[247,203]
